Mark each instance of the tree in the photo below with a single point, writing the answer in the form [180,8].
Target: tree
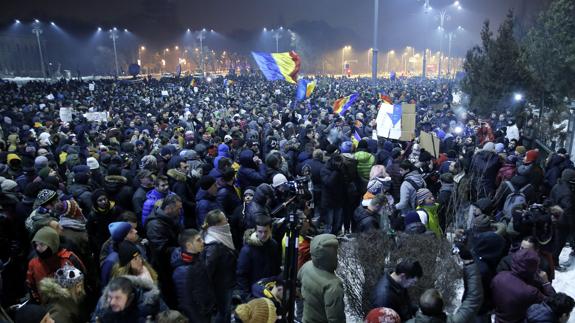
[549,50]
[494,70]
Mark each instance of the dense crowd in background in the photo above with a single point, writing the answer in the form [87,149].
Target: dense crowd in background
[172,208]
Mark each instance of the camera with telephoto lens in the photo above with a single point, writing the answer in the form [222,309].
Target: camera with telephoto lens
[298,187]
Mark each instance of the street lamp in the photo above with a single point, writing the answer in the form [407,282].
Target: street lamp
[343,59]
[201,38]
[37,31]
[114,37]
[443,16]
[391,52]
[277,37]
[140,50]
[518,97]
[426,9]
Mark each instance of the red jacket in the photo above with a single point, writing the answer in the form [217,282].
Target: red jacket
[40,268]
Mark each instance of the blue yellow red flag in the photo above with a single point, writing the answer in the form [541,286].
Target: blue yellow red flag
[341,105]
[385,98]
[278,66]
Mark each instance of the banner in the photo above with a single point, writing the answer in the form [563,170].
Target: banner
[96,116]
[389,121]
[66,114]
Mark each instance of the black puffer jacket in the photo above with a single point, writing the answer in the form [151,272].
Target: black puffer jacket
[258,205]
[365,220]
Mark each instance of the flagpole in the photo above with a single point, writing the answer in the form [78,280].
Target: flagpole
[375,50]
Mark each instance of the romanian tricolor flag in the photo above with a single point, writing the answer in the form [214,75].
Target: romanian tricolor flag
[278,66]
[341,105]
[385,98]
[193,83]
[304,89]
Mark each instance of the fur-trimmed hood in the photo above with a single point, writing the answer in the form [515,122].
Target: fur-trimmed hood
[177,175]
[50,291]
[251,238]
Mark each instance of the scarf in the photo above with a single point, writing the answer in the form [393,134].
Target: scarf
[220,234]
[77,224]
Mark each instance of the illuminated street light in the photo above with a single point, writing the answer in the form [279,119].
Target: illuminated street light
[17,21]
[99,28]
[125,30]
[52,23]
[37,31]
[176,47]
[37,21]
[114,37]
[343,58]
[518,97]
[143,48]
[265,29]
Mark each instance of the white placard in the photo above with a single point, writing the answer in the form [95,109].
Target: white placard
[164,93]
[50,96]
[96,116]
[66,114]
[91,87]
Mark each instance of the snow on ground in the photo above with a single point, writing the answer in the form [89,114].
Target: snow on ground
[565,281]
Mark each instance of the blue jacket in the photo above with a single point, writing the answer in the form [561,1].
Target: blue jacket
[223,151]
[194,290]
[151,198]
[249,173]
[204,204]
[257,260]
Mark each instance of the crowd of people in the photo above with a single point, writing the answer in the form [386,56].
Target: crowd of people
[172,207]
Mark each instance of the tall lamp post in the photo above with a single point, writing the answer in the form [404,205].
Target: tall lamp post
[391,52]
[37,31]
[343,59]
[277,37]
[201,38]
[443,16]
[114,37]
[426,8]
[375,50]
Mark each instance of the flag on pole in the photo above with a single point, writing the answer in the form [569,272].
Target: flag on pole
[278,66]
[341,105]
[304,89]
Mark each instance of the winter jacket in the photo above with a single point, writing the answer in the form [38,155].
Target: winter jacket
[39,269]
[364,162]
[194,289]
[472,298]
[97,226]
[205,202]
[484,167]
[514,291]
[562,195]
[407,196]
[487,248]
[555,167]
[249,173]
[152,197]
[220,263]
[388,293]
[60,303]
[541,313]
[316,167]
[365,220]
[162,232]
[257,260]
[505,173]
[182,186]
[228,199]
[146,302]
[430,218]
[119,190]
[321,289]
[334,189]
[139,198]
[83,195]
[396,179]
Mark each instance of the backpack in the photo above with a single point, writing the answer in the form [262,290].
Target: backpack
[516,198]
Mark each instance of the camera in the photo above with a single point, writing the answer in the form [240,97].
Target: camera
[299,186]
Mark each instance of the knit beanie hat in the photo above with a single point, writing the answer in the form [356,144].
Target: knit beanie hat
[259,310]
[119,230]
[206,182]
[520,150]
[411,217]
[70,209]
[382,315]
[362,144]
[249,191]
[346,147]
[531,156]
[482,223]
[45,196]
[92,163]
[44,172]
[126,252]
[8,185]
[30,313]
[499,147]
[68,276]
[40,162]
[278,180]
[422,195]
